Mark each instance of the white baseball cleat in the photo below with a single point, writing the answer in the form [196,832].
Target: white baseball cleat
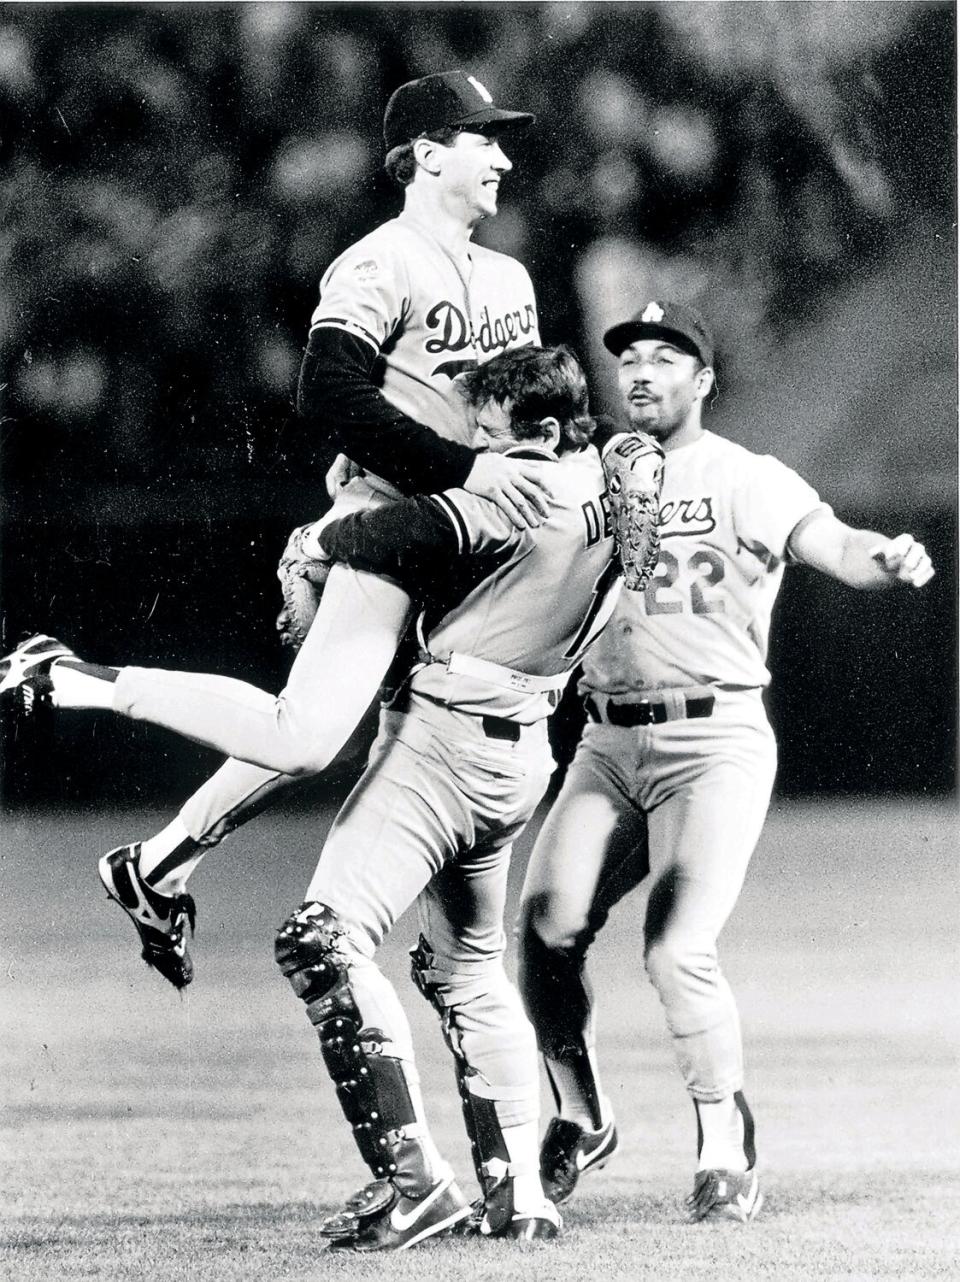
[32,658]
[731,1195]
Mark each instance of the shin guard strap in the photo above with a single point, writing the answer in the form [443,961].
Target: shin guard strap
[487,1147]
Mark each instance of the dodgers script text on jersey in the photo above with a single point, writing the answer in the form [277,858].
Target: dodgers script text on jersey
[726,515]
[429,314]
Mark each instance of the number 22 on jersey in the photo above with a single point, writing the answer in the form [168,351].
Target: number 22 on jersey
[686,583]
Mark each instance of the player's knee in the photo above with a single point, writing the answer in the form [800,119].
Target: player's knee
[549,920]
[304,760]
[677,963]
[447,985]
[312,950]
[302,751]
[482,1019]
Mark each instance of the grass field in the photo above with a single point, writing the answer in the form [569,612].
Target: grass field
[149,1136]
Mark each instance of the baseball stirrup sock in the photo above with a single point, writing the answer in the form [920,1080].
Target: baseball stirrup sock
[722,1135]
[523,1146]
[431,1152]
[575,1082]
[168,858]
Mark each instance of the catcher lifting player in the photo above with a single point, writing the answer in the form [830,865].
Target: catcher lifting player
[460,764]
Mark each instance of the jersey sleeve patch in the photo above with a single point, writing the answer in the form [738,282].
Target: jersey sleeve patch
[363,291]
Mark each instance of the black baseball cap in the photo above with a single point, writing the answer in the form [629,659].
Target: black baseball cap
[451,99]
[675,322]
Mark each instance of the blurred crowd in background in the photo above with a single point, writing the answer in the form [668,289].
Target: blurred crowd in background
[175,178]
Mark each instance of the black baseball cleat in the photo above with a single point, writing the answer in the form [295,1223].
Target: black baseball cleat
[568,1150]
[31,662]
[730,1195]
[501,1219]
[160,919]
[380,1217]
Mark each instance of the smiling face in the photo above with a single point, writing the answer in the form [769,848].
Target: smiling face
[662,388]
[470,170]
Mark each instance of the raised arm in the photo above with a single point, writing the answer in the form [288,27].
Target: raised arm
[859,558]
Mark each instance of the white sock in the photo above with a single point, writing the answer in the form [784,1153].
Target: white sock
[435,1162]
[75,689]
[523,1149]
[165,843]
[722,1126]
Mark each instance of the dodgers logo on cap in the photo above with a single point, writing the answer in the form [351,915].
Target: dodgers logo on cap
[446,100]
[675,323]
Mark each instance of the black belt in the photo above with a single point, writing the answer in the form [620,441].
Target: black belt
[493,727]
[500,728]
[645,712]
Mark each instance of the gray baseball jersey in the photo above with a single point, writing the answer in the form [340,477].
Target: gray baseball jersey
[676,765]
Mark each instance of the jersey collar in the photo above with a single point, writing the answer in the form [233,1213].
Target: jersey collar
[532,452]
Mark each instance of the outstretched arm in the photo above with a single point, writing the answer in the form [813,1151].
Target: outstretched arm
[405,539]
[859,558]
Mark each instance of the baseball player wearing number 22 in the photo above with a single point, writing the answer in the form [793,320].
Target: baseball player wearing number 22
[673,775]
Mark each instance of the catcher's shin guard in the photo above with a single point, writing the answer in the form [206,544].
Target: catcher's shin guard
[558,999]
[312,949]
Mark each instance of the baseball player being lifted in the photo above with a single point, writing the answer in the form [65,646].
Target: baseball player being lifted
[673,775]
[401,314]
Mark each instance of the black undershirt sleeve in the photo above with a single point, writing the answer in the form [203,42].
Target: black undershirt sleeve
[337,393]
[411,540]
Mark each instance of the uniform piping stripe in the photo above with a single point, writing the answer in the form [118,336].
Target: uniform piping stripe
[349,326]
[183,853]
[456,516]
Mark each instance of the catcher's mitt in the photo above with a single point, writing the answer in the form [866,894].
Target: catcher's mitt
[301,581]
[633,465]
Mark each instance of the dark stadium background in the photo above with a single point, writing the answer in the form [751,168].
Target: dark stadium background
[175,178]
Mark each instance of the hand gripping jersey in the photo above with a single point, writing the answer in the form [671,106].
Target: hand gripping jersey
[507,614]
[429,315]
[704,619]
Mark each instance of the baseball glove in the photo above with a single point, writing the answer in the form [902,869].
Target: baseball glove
[633,465]
[301,581]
